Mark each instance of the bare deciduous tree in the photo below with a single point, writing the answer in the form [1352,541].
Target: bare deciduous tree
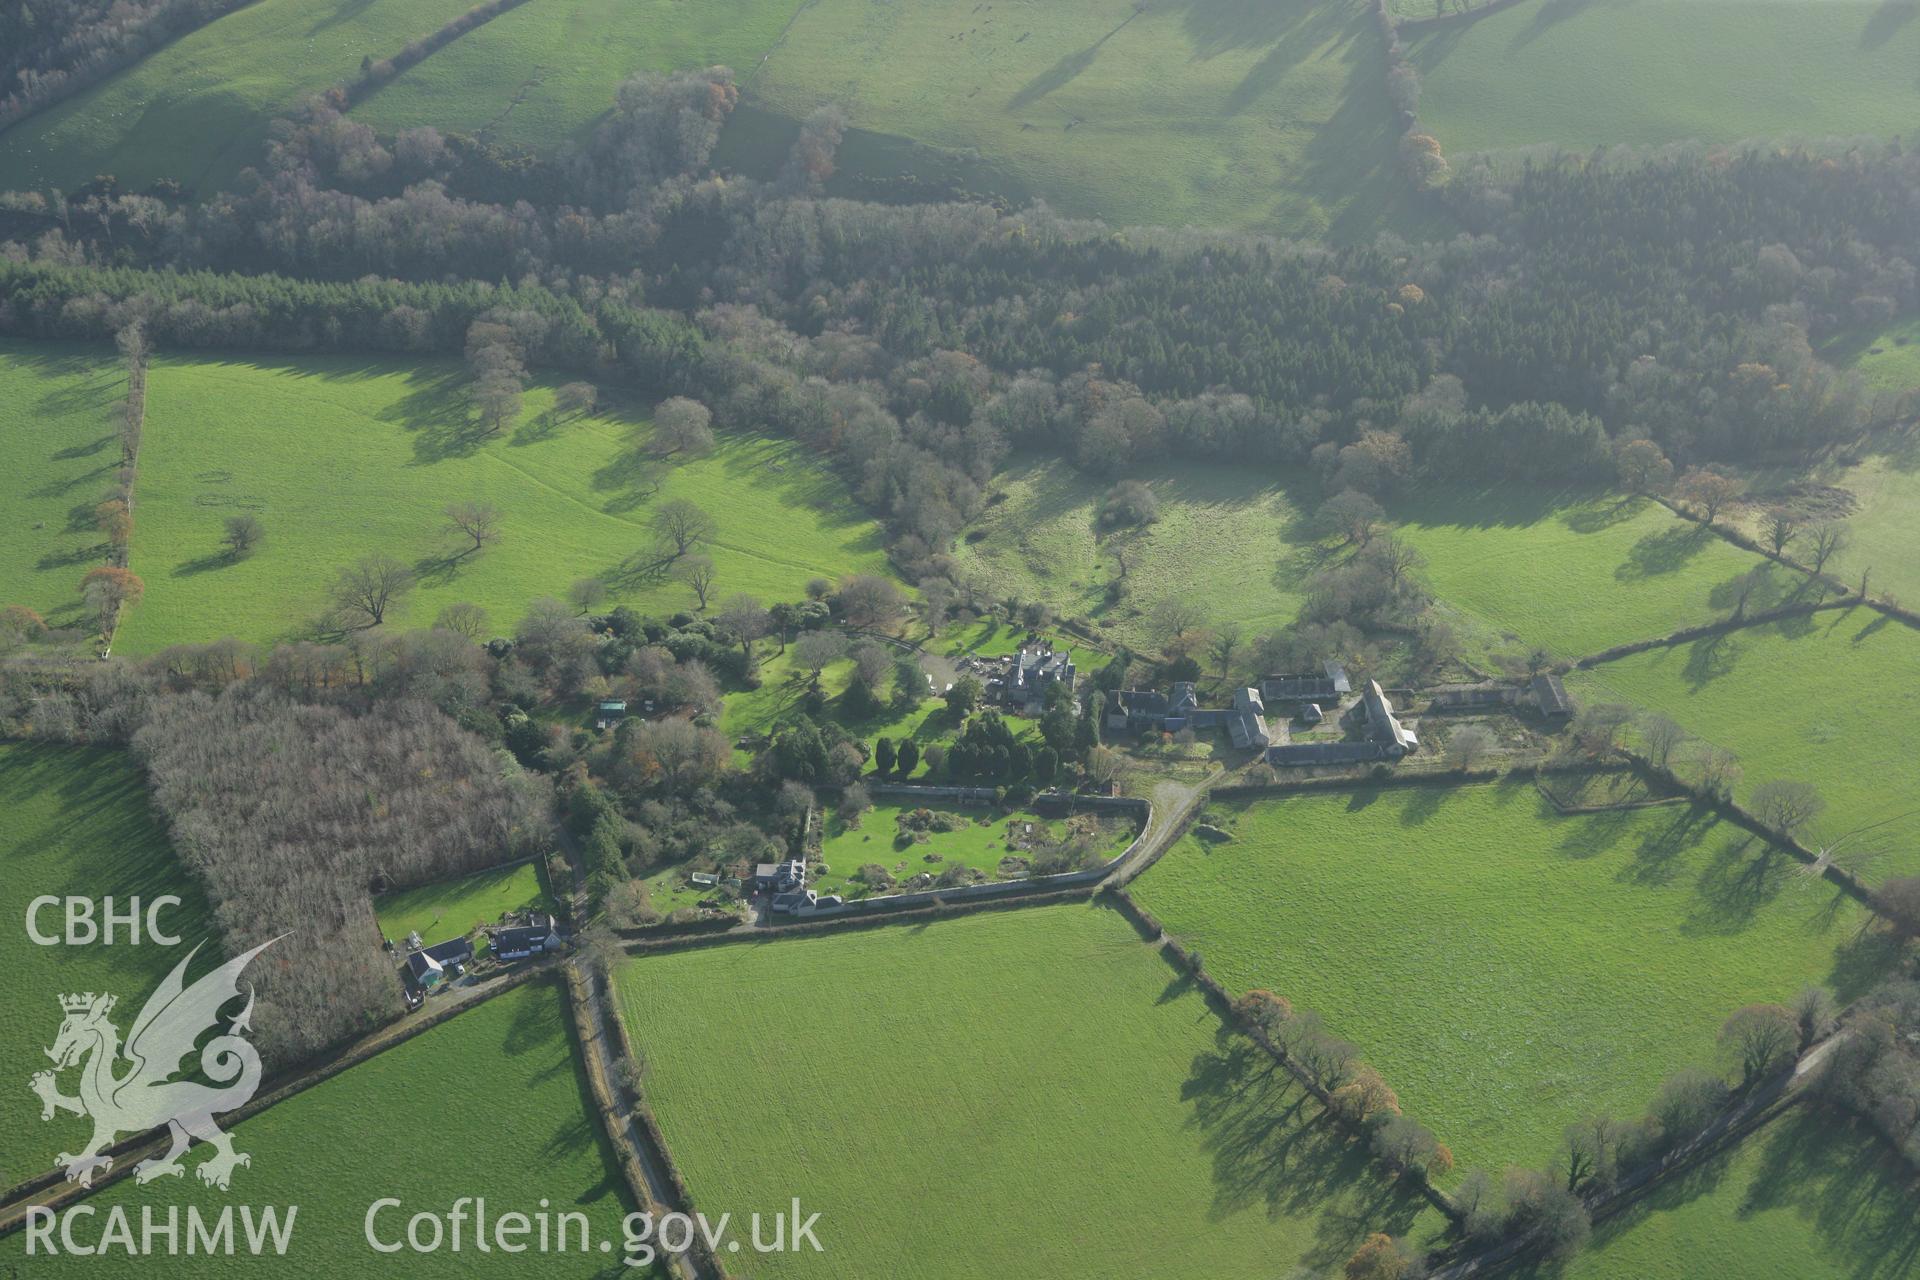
[479,521]
[679,526]
[697,572]
[366,589]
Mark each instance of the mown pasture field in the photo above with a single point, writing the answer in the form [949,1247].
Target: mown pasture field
[455,908]
[1508,970]
[1812,1196]
[1583,75]
[1829,700]
[1573,575]
[74,821]
[426,1122]
[1212,113]
[198,109]
[59,456]
[1027,1093]
[542,74]
[341,459]
[1225,536]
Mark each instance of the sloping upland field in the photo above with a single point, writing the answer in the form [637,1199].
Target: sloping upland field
[198,109]
[59,456]
[1573,575]
[544,73]
[1884,530]
[1809,1196]
[1050,1100]
[1508,970]
[75,821]
[1829,700]
[1213,112]
[1226,537]
[341,459]
[1887,357]
[1585,74]
[426,1122]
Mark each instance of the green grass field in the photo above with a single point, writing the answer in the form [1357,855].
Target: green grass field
[342,458]
[1830,701]
[1509,971]
[1812,1196]
[543,73]
[198,109]
[492,1103]
[1215,112]
[1885,527]
[1045,1099]
[1888,358]
[980,845]
[75,821]
[454,908]
[1582,74]
[59,455]
[1572,575]
[1223,537]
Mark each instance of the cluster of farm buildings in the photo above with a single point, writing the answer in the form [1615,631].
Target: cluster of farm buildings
[1378,732]
[521,937]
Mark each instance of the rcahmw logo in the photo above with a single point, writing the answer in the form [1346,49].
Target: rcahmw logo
[132,1089]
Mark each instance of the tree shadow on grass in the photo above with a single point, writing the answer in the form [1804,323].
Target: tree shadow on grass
[1274,1150]
[1674,1192]
[1068,69]
[1711,657]
[1590,835]
[1745,875]
[632,477]
[1864,960]
[1599,516]
[1836,1172]
[86,450]
[72,556]
[1886,22]
[1667,551]
[203,564]
[1657,859]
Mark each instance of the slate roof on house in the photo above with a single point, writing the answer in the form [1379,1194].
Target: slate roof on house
[1550,695]
[1248,729]
[1310,753]
[420,967]
[1330,685]
[1143,702]
[1382,725]
[454,951]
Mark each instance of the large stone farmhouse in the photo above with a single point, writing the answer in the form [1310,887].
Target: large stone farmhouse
[1150,711]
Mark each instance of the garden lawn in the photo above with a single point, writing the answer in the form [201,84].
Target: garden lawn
[1509,971]
[455,908]
[59,456]
[75,821]
[1224,537]
[1212,113]
[543,74]
[425,1122]
[1813,1195]
[197,110]
[781,698]
[1713,70]
[1572,575]
[1029,1093]
[1829,700]
[340,459]
[980,845]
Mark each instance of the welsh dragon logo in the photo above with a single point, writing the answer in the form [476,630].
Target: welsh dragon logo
[132,1089]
